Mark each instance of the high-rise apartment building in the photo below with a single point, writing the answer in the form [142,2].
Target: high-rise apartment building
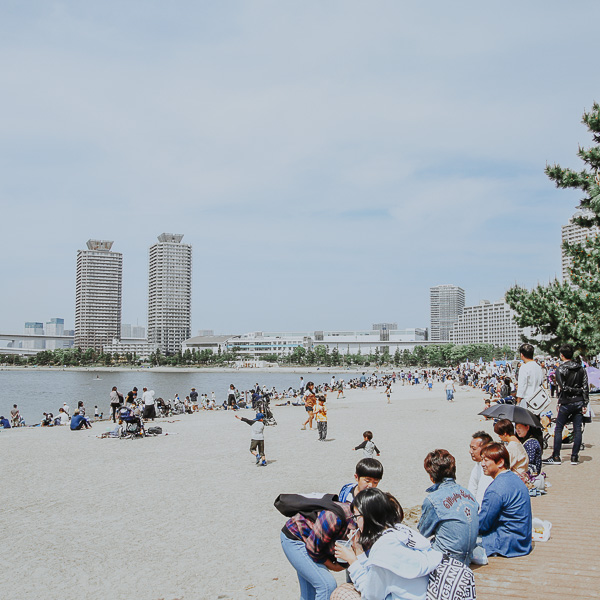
[170,293]
[574,234]
[446,305]
[487,323]
[98,295]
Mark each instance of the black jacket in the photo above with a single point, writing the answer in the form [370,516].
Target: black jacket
[572,381]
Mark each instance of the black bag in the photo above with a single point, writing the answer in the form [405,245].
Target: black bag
[155,430]
[308,505]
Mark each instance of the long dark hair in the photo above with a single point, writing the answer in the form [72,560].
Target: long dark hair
[380,511]
[532,432]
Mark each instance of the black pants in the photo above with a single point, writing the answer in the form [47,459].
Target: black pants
[149,412]
[114,407]
[322,428]
[566,412]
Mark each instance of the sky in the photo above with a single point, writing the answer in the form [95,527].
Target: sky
[329,162]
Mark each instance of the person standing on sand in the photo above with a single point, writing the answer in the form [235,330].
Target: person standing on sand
[194,399]
[115,403]
[257,443]
[149,407]
[309,403]
[321,415]
[450,389]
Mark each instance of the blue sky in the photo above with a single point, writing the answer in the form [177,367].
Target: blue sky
[329,161]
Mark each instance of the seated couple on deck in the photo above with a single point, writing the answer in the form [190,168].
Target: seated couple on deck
[505,519]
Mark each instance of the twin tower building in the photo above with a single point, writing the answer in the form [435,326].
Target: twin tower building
[99,293]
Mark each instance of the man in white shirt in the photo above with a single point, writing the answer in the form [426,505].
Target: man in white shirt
[530,375]
[149,408]
[479,481]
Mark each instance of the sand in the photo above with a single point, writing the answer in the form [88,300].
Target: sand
[188,515]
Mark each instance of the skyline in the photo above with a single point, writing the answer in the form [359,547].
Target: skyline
[328,165]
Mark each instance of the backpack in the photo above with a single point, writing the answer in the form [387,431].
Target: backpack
[308,505]
[346,492]
[155,430]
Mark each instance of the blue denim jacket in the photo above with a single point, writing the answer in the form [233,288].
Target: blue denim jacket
[450,512]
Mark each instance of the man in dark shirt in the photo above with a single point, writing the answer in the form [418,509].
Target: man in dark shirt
[573,398]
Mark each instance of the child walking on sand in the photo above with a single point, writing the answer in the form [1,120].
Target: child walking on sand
[257,443]
[368,446]
[321,416]
[388,392]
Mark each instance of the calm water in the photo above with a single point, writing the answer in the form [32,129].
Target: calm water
[36,392]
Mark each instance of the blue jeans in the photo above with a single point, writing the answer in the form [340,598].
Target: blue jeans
[316,582]
[564,412]
[449,395]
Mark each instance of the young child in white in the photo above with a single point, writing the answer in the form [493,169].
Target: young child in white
[368,446]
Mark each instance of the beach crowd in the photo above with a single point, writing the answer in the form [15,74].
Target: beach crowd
[360,530]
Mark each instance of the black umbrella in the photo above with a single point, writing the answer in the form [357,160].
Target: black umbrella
[516,414]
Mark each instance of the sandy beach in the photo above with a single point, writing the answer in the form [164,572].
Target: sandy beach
[188,515]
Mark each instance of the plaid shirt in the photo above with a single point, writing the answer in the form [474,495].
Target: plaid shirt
[320,537]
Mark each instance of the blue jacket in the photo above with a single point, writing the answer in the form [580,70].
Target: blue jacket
[505,518]
[76,420]
[450,513]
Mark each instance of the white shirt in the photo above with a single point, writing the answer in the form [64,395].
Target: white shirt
[530,380]
[148,398]
[478,483]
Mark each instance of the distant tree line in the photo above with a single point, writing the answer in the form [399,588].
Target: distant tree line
[442,355]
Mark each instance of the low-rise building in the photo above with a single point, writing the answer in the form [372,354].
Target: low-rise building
[283,343]
[140,347]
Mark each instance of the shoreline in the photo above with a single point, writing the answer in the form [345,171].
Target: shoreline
[165,369]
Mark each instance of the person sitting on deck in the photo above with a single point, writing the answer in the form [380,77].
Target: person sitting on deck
[519,460]
[449,512]
[505,518]
[479,481]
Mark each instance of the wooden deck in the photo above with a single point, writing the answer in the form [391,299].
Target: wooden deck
[566,566]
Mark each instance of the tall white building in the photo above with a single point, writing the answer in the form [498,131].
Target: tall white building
[170,293]
[98,295]
[574,234]
[446,305]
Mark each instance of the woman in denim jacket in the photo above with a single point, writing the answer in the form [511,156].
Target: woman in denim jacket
[450,512]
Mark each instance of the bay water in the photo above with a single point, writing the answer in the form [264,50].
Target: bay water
[36,392]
